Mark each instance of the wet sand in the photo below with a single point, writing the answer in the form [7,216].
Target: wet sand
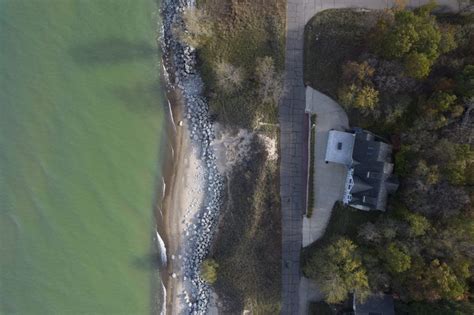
[182,201]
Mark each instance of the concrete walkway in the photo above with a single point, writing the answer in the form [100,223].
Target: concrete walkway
[293,151]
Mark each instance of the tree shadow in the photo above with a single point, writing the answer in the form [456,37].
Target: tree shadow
[147,262]
[111,51]
[142,97]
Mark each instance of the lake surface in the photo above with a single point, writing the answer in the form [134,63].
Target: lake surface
[81,123]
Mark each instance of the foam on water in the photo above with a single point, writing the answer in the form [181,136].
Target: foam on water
[161,249]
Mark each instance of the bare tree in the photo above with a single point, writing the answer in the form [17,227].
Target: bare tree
[228,77]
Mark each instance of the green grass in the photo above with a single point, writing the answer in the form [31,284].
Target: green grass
[344,221]
[331,38]
[312,137]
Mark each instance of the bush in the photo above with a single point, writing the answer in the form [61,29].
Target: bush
[228,77]
[199,27]
[209,270]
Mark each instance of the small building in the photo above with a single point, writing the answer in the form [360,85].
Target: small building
[369,165]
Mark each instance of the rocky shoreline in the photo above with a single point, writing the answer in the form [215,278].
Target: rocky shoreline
[186,80]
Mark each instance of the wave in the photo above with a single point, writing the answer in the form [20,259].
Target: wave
[162,249]
[163,307]
[171,115]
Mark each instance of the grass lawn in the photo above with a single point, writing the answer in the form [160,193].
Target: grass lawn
[331,38]
[344,222]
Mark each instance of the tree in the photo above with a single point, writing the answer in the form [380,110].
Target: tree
[417,65]
[209,270]
[448,38]
[396,259]
[458,167]
[400,37]
[430,173]
[369,233]
[365,99]
[442,101]
[442,282]
[465,81]
[419,225]
[338,270]
[403,160]
[357,72]
[269,80]
[199,27]
[228,77]
[416,38]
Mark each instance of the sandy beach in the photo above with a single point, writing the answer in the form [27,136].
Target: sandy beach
[182,201]
[194,185]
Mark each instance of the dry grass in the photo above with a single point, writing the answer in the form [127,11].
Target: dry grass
[244,31]
[331,38]
[248,244]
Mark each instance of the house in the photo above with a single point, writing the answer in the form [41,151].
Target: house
[368,160]
[376,304]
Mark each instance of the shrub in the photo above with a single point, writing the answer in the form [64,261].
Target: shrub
[228,77]
[209,270]
[199,27]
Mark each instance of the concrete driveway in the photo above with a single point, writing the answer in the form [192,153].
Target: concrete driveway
[329,179]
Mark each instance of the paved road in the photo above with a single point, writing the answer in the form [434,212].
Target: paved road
[292,122]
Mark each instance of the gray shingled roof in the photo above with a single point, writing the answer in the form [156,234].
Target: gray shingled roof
[376,304]
[371,161]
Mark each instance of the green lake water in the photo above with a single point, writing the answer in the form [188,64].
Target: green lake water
[81,122]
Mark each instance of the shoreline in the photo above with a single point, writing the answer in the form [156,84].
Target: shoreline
[193,185]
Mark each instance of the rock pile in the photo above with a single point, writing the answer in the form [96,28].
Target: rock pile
[187,79]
